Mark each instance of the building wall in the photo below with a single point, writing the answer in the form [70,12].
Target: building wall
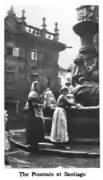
[18,69]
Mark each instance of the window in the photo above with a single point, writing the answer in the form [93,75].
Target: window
[9,76]
[59,81]
[9,50]
[13,51]
[33,56]
[16,51]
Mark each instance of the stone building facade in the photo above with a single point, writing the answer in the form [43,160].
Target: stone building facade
[30,53]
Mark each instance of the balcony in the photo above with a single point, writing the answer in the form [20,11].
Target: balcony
[41,33]
[18,25]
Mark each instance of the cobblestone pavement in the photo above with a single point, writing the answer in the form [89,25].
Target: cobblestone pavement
[22,159]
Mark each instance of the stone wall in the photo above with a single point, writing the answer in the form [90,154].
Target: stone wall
[46,66]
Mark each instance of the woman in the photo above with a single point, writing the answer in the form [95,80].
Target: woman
[59,123]
[49,98]
[68,83]
[35,129]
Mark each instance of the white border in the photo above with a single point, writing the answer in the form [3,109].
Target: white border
[13,173]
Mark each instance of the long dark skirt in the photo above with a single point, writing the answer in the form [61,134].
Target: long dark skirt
[34,129]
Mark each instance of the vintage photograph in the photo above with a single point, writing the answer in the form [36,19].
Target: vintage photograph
[51,86]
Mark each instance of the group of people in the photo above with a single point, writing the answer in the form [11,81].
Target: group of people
[35,120]
[34,106]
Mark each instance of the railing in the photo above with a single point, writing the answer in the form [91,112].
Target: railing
[50,35]
[43,33]
[33,30]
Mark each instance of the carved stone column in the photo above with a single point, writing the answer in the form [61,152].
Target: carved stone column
[86,28]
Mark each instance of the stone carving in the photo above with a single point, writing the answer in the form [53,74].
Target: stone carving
[85,68]
[85,78]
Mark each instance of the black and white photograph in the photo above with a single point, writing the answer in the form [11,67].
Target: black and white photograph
[51,86]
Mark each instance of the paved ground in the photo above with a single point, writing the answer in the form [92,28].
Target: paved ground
[19,138]
[22,159]
[51,156]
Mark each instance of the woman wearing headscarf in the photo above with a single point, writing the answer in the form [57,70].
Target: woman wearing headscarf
[35,128]
[49,99]
[59,132]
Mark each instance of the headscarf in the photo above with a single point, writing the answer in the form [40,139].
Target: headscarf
[36,97]
[33,85]
[33,93]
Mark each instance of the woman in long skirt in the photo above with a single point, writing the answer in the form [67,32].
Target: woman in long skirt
[35,126]
[59,131]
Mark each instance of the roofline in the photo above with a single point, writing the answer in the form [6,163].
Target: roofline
[60,46]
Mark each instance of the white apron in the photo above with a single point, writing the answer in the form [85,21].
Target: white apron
[59,126]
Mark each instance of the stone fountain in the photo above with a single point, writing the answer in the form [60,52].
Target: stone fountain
[85,67]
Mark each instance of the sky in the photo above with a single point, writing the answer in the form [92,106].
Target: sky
[66,18]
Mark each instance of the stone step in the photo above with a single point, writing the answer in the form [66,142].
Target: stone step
[21,132]
[62,150]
